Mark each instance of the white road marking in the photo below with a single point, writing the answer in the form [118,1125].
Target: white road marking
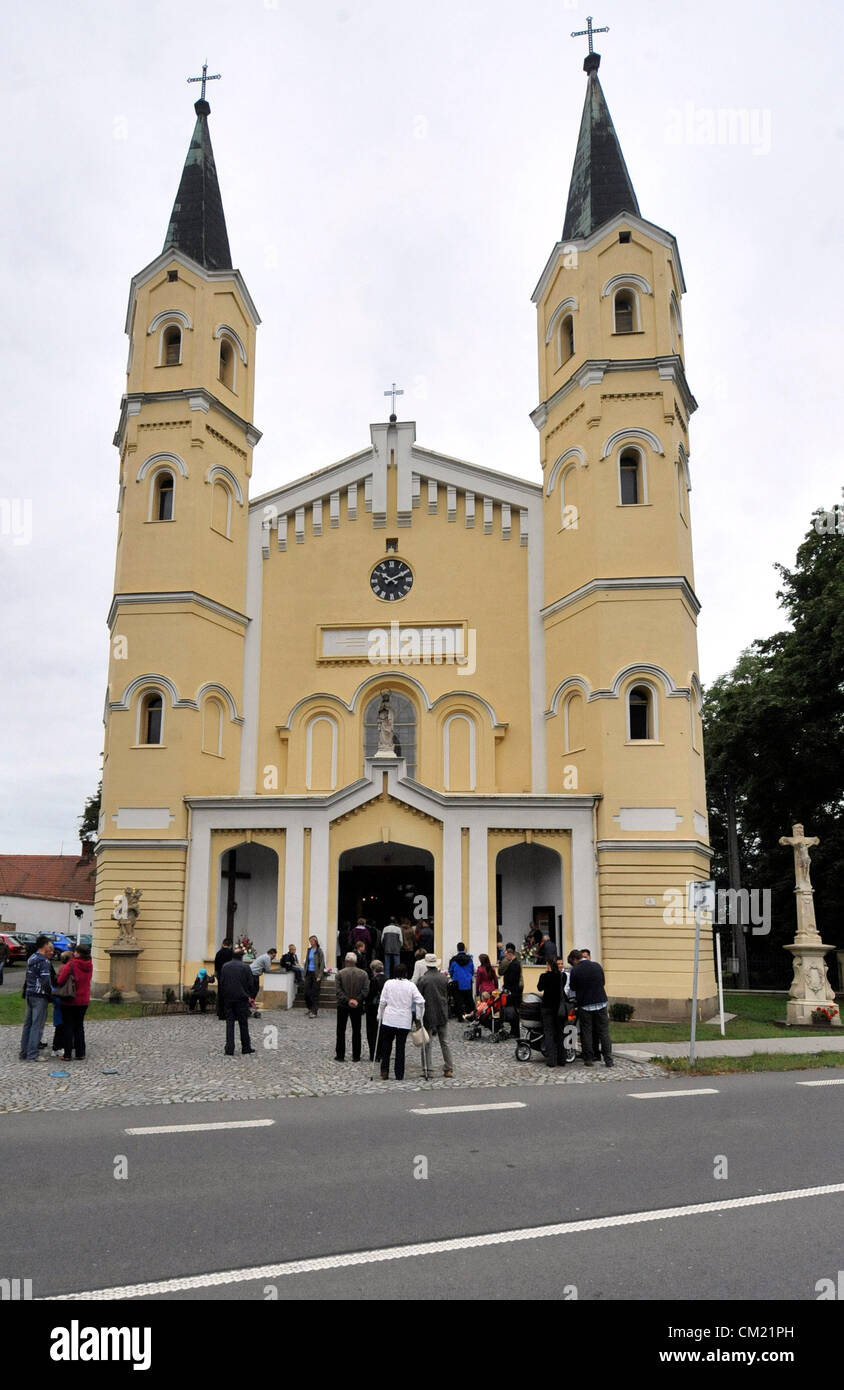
[467,1109]
[660,1095]
[194,1129]
[819,1083]
[440,1247]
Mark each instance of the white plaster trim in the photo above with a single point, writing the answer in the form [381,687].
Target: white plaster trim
[488,505]
[574,454]
[223,330]
[648,818]
[506,520]
[639,582]
[168,316]
[469,501]
[567,304]
[155,459]
[630,436]
[309,740]
[316,517]
[433,495]
[103,845]
[334,510]
[699,823]
[151,682]
[645,669]
[470,695]
[620,282]
[143,818]
[214,688]
[299,525]
[643,846]
[251,663]
[219,470]
[352,501]
[570,683]
[606,232]
[184,596]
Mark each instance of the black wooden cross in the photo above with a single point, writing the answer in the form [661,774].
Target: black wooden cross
[232,875]
[205,78]
[580,33]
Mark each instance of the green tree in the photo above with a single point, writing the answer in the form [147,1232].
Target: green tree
[774,737]
[89,821]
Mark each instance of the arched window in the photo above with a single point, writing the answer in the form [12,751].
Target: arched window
[212,727]
[565,342]
[151,722]
[630,479]
[163,491]
[624,307]
[227,365]
[681,488]
[404,728]
[640,713]
[573,735]
[676,323]
[321,754]
[459,753]
[221,508]
[171,346]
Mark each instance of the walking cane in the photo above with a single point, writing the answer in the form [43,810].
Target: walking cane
[375,1056]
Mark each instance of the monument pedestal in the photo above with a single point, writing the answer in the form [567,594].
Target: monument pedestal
[123,971]
[810,988]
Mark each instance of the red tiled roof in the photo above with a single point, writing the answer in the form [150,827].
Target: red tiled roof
[55,877]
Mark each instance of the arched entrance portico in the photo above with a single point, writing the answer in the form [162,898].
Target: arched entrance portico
[529,888]
[247,901]
[383,880]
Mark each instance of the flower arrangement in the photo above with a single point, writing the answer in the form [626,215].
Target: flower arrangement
[247,945]
[824,1015]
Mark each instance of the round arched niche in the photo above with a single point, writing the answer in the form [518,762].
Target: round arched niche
[529,888]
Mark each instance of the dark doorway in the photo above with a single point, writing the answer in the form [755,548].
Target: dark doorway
[380,881]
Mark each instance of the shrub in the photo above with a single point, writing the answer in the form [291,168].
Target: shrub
[115,996]
[169,995]
[621,1013]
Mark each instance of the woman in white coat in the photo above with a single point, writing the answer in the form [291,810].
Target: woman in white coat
[399,999]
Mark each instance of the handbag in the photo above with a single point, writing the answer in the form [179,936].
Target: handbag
[420,1037]
[67,989]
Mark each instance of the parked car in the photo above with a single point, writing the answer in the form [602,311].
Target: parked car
[61,942]
[17,950]
[27,940]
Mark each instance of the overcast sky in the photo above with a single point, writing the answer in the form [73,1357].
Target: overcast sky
[394,178]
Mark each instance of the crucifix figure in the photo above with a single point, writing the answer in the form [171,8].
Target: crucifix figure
[231,874]
[215,77]
[580,33]
[394,391]
[800,844]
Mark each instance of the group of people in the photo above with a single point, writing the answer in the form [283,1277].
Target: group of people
[69,990]
[398,943]
[391,1007]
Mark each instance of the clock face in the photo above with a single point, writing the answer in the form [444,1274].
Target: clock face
[391,579]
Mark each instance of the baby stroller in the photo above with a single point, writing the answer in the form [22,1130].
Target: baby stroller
[487,1021]
[532,1040]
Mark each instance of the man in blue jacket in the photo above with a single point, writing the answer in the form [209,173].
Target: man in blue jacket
[38,989]
[461,970]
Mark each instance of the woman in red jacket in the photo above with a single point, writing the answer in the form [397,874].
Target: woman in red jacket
[486,977]
[73,1010]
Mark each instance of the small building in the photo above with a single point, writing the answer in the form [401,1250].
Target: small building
[39,892]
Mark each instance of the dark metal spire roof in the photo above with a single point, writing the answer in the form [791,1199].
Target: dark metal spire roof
[197,222]
[600,184]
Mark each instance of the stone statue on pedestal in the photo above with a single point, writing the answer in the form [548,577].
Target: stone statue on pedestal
[125,914]
[810,988]
[386,747]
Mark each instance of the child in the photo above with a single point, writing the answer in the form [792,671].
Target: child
[199,993]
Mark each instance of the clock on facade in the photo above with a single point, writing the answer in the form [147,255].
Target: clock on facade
[391,579]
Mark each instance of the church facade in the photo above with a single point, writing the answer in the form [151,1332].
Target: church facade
[539,755]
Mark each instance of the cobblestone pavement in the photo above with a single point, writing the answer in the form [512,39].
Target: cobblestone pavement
[179,1058]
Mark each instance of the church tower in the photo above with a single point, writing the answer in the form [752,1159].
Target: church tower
[620,610]
[177,621]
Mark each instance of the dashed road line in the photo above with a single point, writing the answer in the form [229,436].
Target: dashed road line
[195,1129]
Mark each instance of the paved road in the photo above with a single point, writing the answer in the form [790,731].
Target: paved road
[335,1175]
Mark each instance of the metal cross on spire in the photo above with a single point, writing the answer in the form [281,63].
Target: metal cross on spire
[215,77]
[580,33]
[394,391]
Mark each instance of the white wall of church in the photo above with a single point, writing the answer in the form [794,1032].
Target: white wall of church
[531,876]
[256,897]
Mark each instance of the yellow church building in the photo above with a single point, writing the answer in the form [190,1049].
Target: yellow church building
[539,756]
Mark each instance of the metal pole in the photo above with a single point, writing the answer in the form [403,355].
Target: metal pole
[720,979]
[698,911]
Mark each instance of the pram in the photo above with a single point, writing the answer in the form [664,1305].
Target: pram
[487,1016]
[533,1038]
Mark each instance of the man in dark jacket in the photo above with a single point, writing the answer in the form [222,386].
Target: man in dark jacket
[433,986]
[510,971]
[587,983]
[236,986]
[223,956]
[352,988]
[38,988]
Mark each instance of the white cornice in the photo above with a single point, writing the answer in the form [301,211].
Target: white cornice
[640,846]
[182,596]
[592,373]
[102,845]
[211,277]
[596,586]
[197,398]
[622,219]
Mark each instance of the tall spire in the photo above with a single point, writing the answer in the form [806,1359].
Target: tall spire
[197,222]
[600,184]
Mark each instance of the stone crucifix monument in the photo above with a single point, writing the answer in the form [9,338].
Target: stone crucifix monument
[810,988]
[123,953]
